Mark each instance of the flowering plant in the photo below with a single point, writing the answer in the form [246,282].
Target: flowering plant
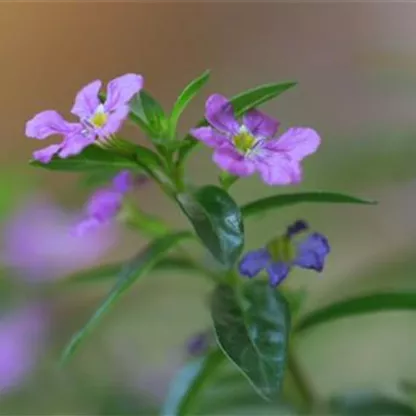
[255,319]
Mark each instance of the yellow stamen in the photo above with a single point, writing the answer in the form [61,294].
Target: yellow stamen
[244,141]
[281,249]
[99,119]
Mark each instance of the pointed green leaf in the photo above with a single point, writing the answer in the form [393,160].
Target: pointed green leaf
[378,302]
[91,158]
[217,221]
[133,270]
[111,271]
[99,177]
[148,114]
[252,328]
[190,91]
[147,159]
[370,404]
[283,200]
[241,103]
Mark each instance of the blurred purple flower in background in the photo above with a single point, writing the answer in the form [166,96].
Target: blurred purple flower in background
[105,204]
[38,242]
[243,149]
[96,119]
[22,337]
[282,253]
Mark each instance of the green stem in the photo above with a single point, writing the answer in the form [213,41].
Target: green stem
[301,383]
[210,365]
[227,180]
[153,227]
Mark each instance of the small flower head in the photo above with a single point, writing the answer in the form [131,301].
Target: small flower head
[104,119]
[283,253]
[252,146]
[105,204]
[96,120]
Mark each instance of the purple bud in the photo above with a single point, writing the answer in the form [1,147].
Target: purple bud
[296,228]
[199,344]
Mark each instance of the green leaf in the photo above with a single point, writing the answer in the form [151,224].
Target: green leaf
[370,404]
[190,91]
[252,328]
[283,200]
[148,114]
[378,302]
[111,271]
[241,103]
[146,158]
[90,159]
[133,270]
[217,221]
[98,178]
[189,384]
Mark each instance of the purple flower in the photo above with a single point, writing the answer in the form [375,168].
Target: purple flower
[96,120]
[243,149]
[105,204]
[282,253]
[22,335]
[38,243]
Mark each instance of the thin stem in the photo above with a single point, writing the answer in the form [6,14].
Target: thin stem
[303,386]
[227,180]
[153,227]
[209,368]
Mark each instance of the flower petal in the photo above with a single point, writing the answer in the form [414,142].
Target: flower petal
[279,170]
[277,272]
[312,252]
[254,262]
[121,90]
[104,204]
[86,226]
[209,136]
[46,154]
[233,162]
[220,114]
[86,101]
[114,121]
[260,124]
[123,181]
[297,142]
[47,123]
[74,145]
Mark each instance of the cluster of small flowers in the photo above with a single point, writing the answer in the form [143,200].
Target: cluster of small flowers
[240,148]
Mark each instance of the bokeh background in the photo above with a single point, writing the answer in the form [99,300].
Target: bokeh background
[356,68]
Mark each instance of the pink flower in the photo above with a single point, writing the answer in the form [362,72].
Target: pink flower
[244,148]
[96,120]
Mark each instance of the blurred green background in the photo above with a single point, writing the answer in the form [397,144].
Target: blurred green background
[356,67]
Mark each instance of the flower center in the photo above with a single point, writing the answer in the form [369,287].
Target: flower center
[282,249]
[244,141]
[99,118]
